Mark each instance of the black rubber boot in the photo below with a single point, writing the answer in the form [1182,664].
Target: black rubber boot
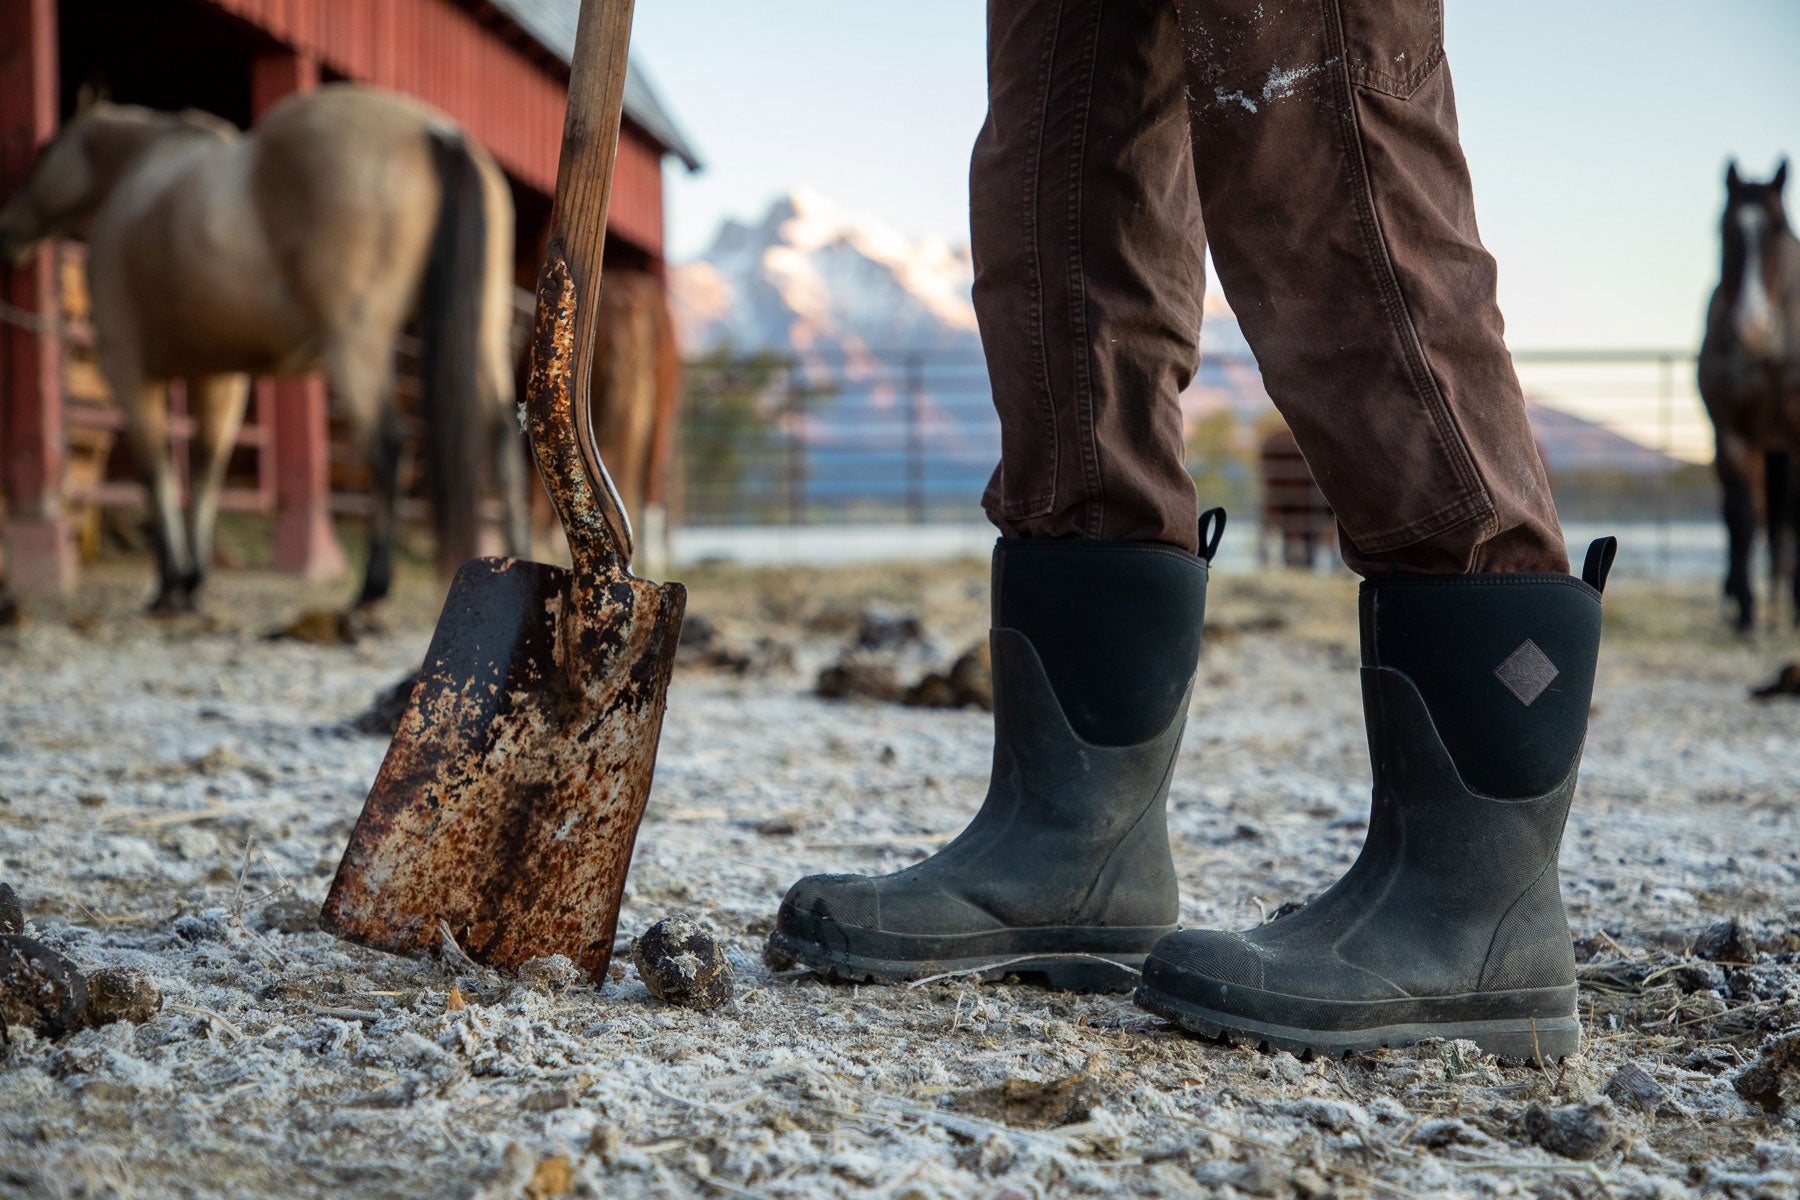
[1450,923]
[1065,873]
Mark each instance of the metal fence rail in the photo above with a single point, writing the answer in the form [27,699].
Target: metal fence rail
[912,438]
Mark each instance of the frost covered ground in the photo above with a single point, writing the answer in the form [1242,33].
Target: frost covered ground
[174,797]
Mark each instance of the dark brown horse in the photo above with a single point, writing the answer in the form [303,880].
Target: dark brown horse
[307,243]
[1750,381]
[1294,510]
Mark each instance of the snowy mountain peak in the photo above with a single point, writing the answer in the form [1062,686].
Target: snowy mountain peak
[804,218]
[808,278]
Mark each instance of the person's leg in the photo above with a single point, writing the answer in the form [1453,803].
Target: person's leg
[1087,240]
[1339,207]
[1342,224]
[1087,244]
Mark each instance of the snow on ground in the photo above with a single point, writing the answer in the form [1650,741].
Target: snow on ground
[174,796]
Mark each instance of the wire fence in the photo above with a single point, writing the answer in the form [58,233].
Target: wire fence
[911,439]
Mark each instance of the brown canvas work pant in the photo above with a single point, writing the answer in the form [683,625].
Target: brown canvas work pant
[1319,140]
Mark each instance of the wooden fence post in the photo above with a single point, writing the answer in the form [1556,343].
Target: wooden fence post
[40,554]
[40,551]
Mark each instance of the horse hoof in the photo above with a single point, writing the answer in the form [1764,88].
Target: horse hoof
[174,604]
[367,617]
[320,627]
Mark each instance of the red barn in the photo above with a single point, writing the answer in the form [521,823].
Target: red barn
[500,67]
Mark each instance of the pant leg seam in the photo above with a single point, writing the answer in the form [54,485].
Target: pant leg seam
[1087,437]
[1386,278]
[1029,203]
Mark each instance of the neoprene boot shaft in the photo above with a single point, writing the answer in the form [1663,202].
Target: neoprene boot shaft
[1065,871]
[1450,923]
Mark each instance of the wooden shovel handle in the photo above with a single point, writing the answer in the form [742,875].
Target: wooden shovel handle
[561,426]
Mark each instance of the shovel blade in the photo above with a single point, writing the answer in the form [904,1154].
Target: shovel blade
[510,798]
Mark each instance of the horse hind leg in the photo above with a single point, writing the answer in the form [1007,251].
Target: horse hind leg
[145,405]
[384,516]
[218,403]
[506,441]
[498,396]
[359,370]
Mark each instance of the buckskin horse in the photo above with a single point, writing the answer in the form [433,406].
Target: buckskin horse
[308,243]
[1750,380]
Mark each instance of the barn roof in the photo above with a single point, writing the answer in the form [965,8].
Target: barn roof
[551,23]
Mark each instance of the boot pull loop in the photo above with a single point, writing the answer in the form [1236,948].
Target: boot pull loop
[1600,555]
[1212,531]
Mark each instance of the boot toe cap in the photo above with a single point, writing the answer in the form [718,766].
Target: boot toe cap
[1183,958]
[841,899]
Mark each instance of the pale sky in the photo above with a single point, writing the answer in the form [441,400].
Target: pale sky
[1597,132]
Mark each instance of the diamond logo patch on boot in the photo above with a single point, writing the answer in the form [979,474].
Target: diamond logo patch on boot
[1526,672]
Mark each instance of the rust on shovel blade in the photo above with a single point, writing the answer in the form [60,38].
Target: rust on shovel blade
[510,798]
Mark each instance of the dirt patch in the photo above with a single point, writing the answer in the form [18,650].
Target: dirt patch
[283,1062]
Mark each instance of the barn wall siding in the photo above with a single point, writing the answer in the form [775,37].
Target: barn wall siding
[443,55]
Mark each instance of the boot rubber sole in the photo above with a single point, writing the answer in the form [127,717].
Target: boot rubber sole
[1514,1040]
[1097,971]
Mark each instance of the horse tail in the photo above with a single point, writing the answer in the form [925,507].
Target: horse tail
[451,312]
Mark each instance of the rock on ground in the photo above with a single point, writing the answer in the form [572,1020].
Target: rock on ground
[1726,942]
[1580,1131]
[682,963]
[12,912]
[39,988]
[1773,1080]
[121,994]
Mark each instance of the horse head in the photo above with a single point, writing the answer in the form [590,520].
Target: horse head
[1754,227]
[78,169]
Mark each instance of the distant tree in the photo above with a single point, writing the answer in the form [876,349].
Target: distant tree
[1217,459]
[734,452]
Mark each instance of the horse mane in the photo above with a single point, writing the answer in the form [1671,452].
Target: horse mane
[196,120]
[137,118]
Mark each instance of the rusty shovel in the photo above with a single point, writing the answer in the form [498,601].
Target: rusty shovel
[510,798]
